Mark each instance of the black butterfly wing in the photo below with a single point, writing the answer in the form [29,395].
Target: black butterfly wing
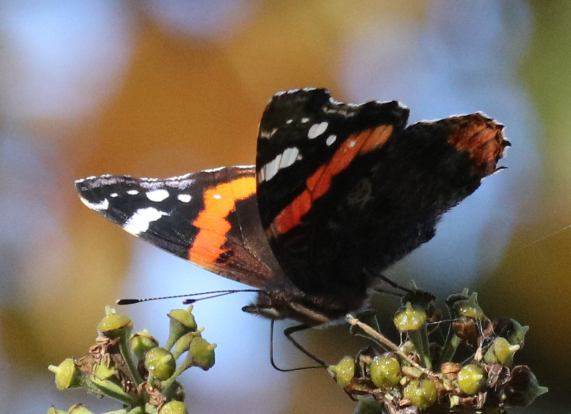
[344,187]
[312,153]
[209,217]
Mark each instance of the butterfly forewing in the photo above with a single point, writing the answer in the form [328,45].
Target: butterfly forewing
[209,218]
[301,131]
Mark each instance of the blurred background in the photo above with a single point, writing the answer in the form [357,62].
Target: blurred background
[160,88]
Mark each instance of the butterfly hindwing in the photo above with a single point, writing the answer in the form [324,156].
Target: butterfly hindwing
[208,217]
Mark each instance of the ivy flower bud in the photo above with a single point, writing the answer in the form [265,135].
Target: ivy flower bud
[173,407]
[385,371]
[181,322]
[409,318]
[202,353]
[141,342]
[421,393]
[344,371]
[408,347]
[67,375]
[183,317]
[469,308]
[471,379]
[517,334]
[114,324]
[160,363]
[78,409]
[501,352]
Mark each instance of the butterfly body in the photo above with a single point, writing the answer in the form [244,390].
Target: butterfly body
[339,192]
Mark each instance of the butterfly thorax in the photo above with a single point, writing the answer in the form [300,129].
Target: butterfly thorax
[292,303]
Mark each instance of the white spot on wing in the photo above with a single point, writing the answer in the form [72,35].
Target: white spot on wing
[157,195]
[289,121]
[330,140]
[113,195]
[272,168]
[304,120]
[265,134]
[139,222]
[217,196]
[317,129]
[185,198]
[102,205]
[133,192]
[289,156]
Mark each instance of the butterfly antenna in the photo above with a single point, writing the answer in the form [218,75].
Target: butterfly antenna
[209,295]
[217,295]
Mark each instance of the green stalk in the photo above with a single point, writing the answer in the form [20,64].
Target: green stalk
[167,385]
[127,357]
[113,390]
[420,340]
[450,348]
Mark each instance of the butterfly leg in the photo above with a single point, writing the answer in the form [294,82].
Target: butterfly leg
[288,332]
[370,316]
[387,280]
[410,294]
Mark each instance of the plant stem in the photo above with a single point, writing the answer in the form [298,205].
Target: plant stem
[390,345]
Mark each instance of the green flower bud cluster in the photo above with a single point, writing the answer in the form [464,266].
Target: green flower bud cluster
[424,373]
[133,368]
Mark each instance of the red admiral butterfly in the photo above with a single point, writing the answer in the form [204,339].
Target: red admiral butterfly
[339,192]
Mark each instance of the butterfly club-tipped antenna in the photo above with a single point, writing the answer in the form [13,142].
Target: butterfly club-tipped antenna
[190,297]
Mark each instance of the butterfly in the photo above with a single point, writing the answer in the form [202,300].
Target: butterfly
[339,192]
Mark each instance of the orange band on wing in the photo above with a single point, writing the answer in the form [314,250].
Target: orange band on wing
[212,222]
[320,181]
